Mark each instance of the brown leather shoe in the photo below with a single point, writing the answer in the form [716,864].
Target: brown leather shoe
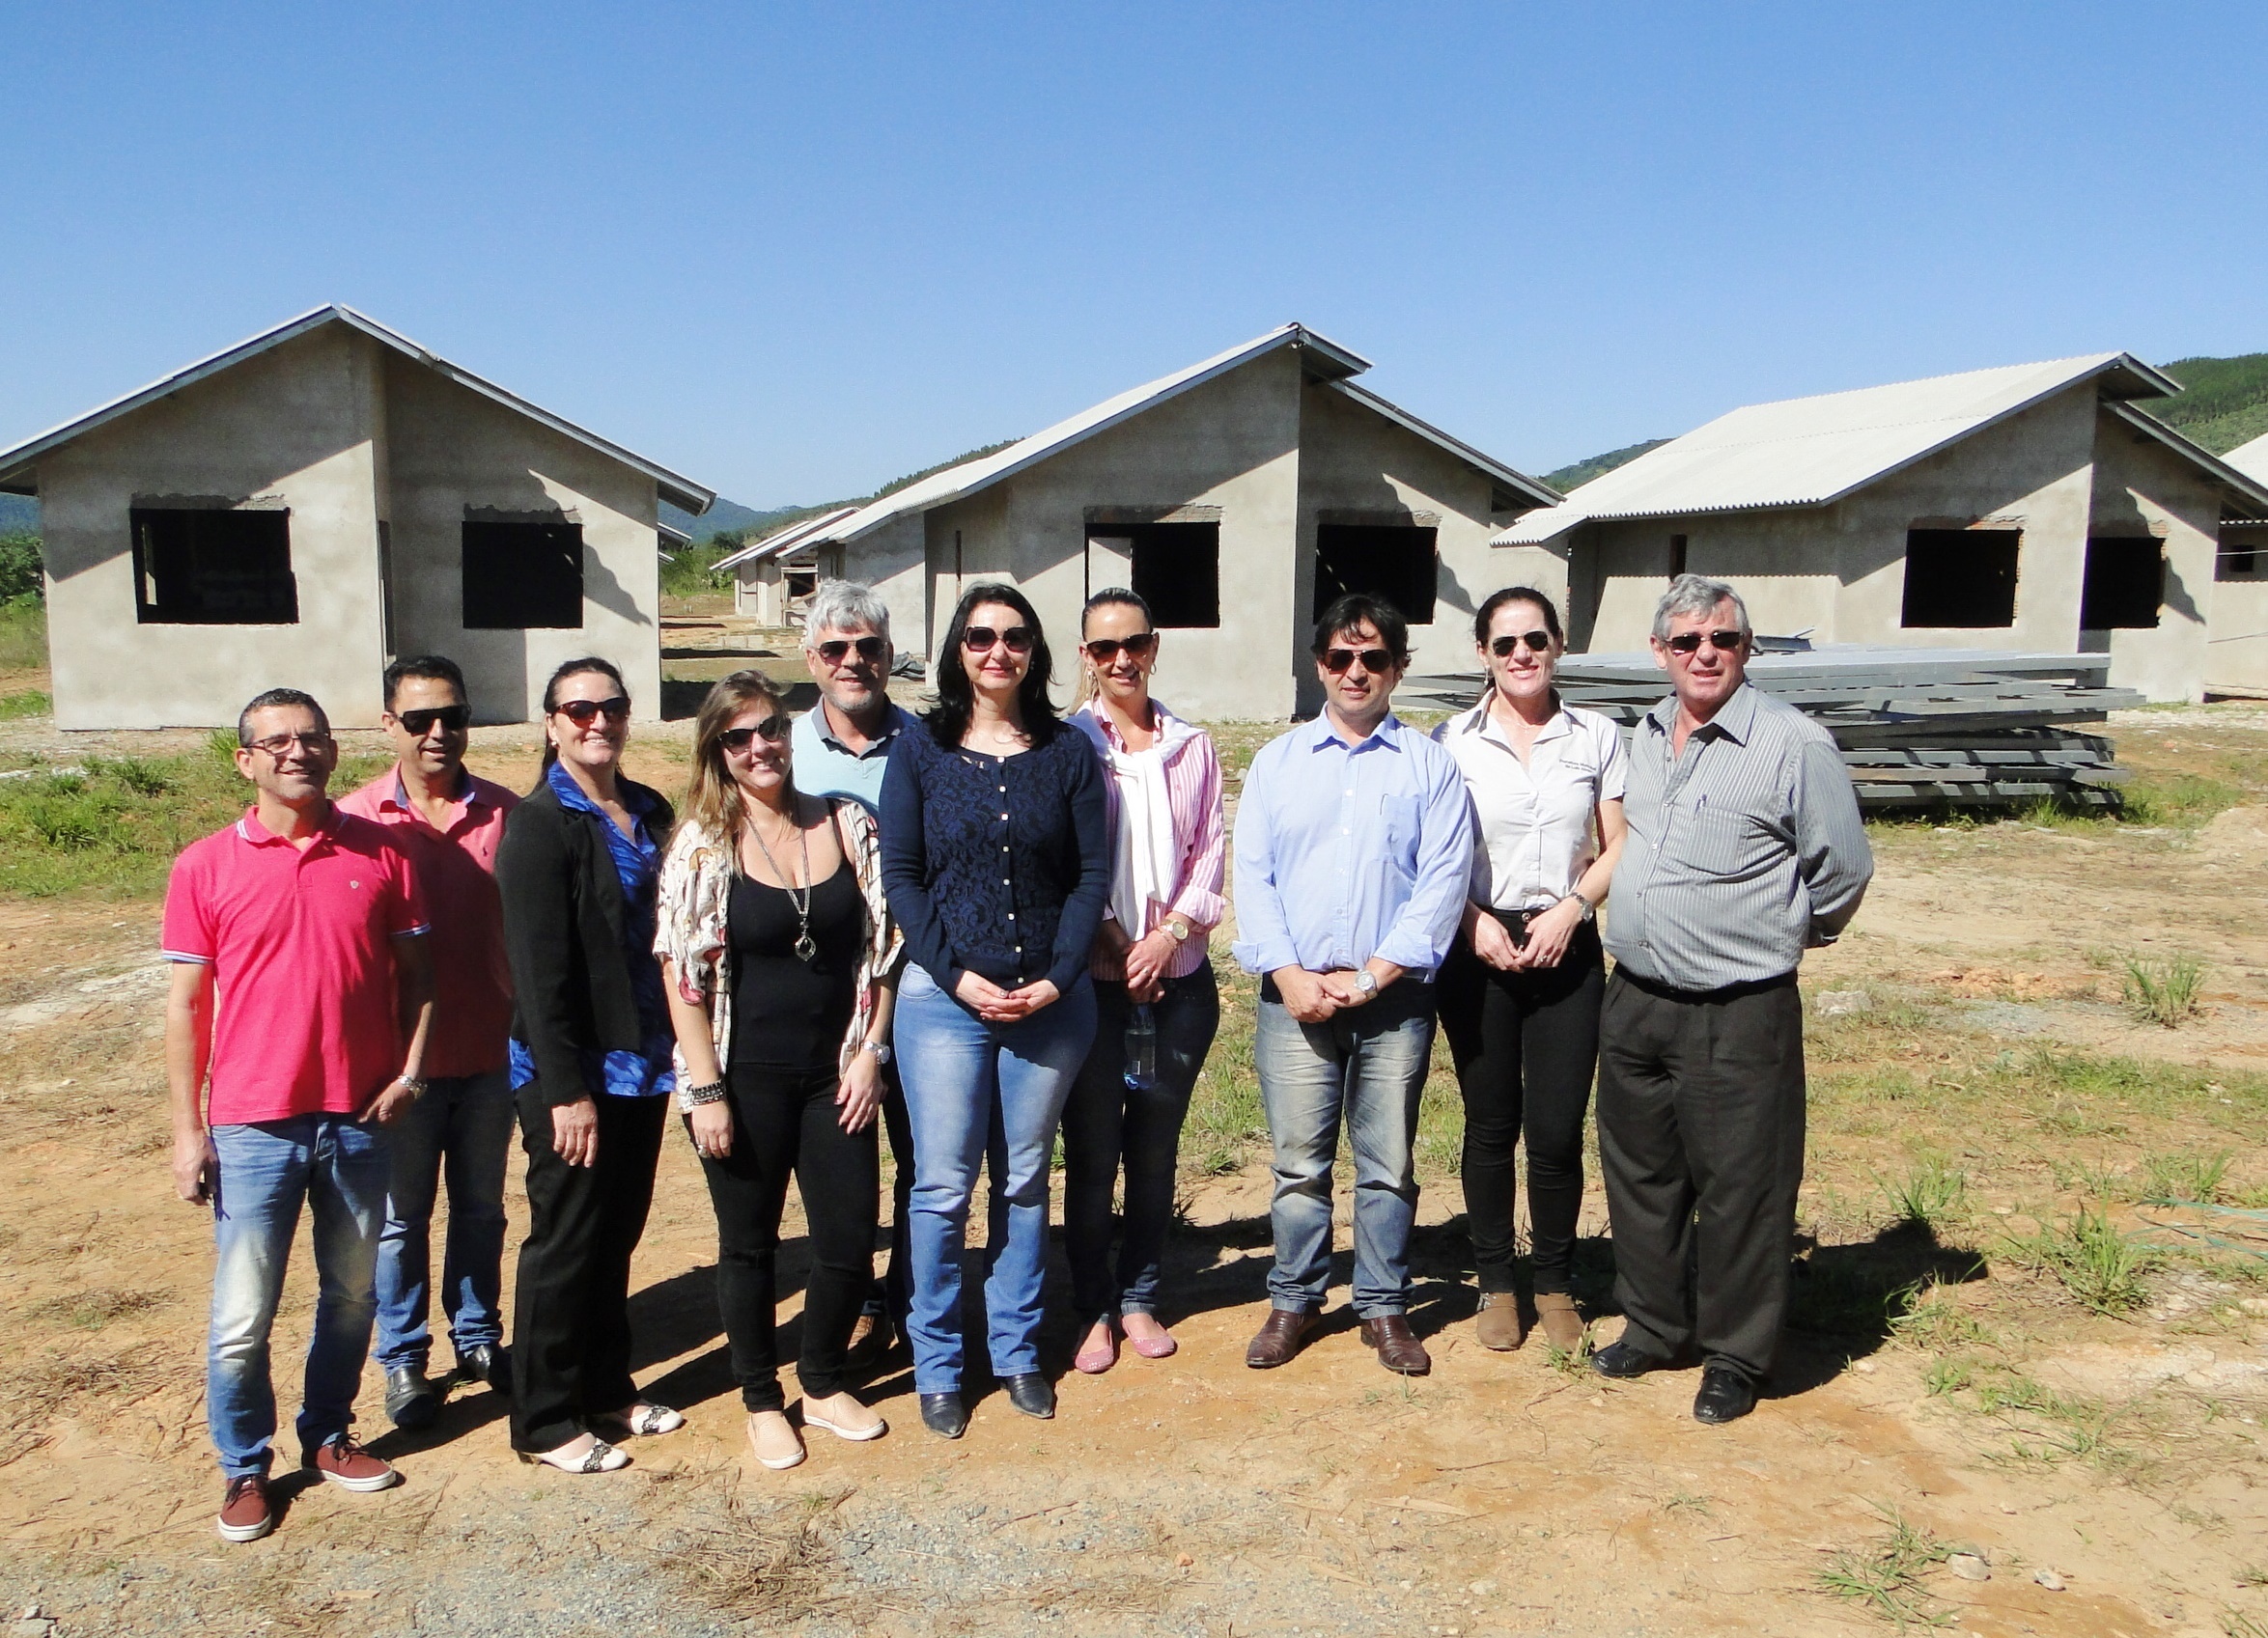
[1498,1324]
[1561,1325]
[1398,1348]
[1279,1337]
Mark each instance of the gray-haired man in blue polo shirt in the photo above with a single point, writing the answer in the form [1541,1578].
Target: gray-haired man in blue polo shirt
[842,745]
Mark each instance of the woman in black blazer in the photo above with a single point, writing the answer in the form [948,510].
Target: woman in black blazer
[590,1070]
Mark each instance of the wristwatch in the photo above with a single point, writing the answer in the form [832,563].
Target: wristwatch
[1590,911]
[1179,928]
[1367,981]
[879,1048]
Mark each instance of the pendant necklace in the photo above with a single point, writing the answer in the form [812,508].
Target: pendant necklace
[806,947]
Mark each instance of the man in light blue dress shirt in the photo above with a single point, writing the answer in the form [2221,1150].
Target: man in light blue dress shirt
[1352,846]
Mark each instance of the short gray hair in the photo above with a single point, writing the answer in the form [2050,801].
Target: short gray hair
[845,605]
[1697,594]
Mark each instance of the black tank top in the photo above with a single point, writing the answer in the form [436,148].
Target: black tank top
[790,1013]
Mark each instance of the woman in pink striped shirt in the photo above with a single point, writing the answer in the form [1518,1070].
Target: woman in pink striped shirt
[1151,969]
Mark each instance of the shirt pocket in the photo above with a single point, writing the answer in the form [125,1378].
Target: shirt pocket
[1714,842]
[1400,822]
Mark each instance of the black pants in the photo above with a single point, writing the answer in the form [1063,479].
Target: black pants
[570,1334]
[1701,1140]
[1526,1045]
[893,1292]
[787,1123]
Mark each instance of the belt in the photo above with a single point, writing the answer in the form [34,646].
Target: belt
[1728,992]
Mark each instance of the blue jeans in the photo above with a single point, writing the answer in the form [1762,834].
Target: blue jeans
[338,1169]
[466,1121]
[1106,1123]
[978,1092]
[1365,1068]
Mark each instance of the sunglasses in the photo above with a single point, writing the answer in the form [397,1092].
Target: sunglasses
[314,742]
[773,730]
[1376,661]
[834,649]
[983,639]
[1538,643]
[581,713]
[1690,642]
[418,723]
[1104,649]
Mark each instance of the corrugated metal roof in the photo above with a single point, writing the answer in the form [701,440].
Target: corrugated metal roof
[15,463]
[2251,459]
[785,539]
[1812,450]
[1535,490]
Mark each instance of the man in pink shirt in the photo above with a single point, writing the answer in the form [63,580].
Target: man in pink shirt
[449,821]
[294,1034]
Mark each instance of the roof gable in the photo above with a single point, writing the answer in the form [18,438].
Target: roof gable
[16,463]
[2251,460]
[1813,450]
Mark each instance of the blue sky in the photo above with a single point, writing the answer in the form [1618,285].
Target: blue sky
[793,252]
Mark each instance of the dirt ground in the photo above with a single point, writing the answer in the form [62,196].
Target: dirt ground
[2119,1492]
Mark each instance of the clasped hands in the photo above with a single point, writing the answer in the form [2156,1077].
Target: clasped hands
[1547,935]
[1313,997]
[998,1006]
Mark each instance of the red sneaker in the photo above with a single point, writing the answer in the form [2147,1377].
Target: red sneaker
[346,1464]
[244,1513]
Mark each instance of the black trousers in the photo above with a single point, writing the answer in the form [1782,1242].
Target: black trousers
[1702,1141]
[787,1125]
[570,1334]
[893,1292]
[1526,1045]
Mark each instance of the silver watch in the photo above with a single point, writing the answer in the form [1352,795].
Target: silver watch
[1367,981]
[1590,911]
[879,1048]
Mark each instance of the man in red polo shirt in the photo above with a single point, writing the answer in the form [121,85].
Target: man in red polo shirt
[303,992]
[449,821]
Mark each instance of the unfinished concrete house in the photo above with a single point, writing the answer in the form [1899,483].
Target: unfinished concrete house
[2236,654]
[774,578]
[2029,507]
[296,510]
[1237,497]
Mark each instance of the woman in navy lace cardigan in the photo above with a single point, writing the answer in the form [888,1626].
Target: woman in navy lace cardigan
[997,864]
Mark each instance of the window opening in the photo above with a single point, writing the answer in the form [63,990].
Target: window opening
[523,577]
[212,567]
[1394,562]
[2238,561]
[1963,578]
[2125,583]
[1175,567]
[1676,556]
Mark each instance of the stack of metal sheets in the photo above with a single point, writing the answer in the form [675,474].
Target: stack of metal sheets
[1916,727]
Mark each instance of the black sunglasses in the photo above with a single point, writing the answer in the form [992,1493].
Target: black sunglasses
[1690,642]
[1538,642]
[982,639]
[454,719]
[774,728]
[834,649]
[1376,661]
[1104,649]
[580,712]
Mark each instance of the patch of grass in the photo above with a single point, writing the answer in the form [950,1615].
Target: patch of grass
[768,1566]
[2103,1269]
[92,1309]
[23,635]
[2177,799]
[138,774]
[2163,991]
[1931,1194]
[2101,1180]
[2183,1180]
[1573,1363]
[1935,1322]
[1884,1578]
[30,703]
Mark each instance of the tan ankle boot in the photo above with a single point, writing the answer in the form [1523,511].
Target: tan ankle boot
[1562,1327]
[1498,1324]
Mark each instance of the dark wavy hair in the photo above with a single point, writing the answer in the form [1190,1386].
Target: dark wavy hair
[575,668]
[948,720]
[1357,609]
[1516,595]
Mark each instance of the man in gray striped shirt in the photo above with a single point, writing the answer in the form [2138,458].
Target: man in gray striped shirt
[1745,849]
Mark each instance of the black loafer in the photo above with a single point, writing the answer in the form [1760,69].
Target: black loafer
[1031,1394]
[412,1402]
[1725,1396]
[1625,1360]
[489,1363]
[944,1415]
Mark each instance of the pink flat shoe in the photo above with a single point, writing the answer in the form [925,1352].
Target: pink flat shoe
[1158,1345]
[1095,1357]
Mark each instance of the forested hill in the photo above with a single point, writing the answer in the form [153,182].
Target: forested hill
[1598,465]
[2223,402]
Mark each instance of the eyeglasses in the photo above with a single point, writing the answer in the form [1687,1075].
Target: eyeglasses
[983,639]
[834,649]
[314,742]
[418,723]
[1376,661]
[581,713]
[1538,643]
[1104,649]
[773,730]
[1690,642]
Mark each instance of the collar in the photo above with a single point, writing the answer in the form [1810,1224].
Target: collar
[1387,734]
[1479,720]
[1173,731]
[571,794]
[468,794]
[259,834]
[897,720]
[1735,720]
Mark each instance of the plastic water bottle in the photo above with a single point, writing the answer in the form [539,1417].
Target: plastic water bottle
[1141,1049]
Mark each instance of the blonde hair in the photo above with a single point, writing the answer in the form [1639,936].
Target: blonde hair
[714,800]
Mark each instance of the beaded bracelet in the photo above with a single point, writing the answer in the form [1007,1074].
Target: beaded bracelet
[713,1093]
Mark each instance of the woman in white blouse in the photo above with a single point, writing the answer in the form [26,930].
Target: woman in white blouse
[1520,996]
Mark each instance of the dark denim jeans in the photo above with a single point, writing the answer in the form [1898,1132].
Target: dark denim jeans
[338,1170]
[464,1123]
[1106,1124]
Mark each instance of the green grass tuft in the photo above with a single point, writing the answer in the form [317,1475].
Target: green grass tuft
[2165,989]
[2103,1269]
[1884,1577]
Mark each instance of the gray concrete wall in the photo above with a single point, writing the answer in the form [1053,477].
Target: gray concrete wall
[453,450]
[2142,487]
[297,425]
[2236,646]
